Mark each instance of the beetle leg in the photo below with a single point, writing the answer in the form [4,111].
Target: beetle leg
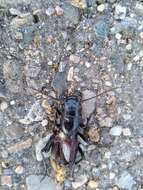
[48,145]
[74,148]
[82,139]
[81,154]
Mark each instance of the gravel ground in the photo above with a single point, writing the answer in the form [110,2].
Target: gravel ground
[63,45]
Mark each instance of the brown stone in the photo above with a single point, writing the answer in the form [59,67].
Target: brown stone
[20,146]
[6,180]
[93,134]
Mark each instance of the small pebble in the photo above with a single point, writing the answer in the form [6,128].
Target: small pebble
[81,180]
[107,122]
[126,132]
[19,169]
[87,64]
[112,175]
[6,181]
[3,106]
[74,58]
[70,74]
[115,188]
[141,35]
[118,36]
[116,131]
[127,116]
[136,58]
[14,12]
[101,8]
[120,12]
[59,11]
[44,122]
[108,83]
[50,11]
[129,46]
[18,36]
[12,102]
[93,135]
[92,184]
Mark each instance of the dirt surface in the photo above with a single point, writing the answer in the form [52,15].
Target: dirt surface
[62,46]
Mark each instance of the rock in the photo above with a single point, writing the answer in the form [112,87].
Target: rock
[20,146]
[82,4]
[24,19]
[92,184]
[129,47]
[3,106]
[120,12]
[18,36]
[34,182]
[127,117]
[59,11]
[87,64]
[106,122]
[14,12]
[50,11]
[19,169]
[13,132]
[44,122]
[118,36]
[80,181]
[125,181]
[115,188]
[74,58]
[141,35]
[126,132]
[93,135]
[101,8]
[116,131]
[40,145]
[6,181]
[139,8]
[101,29]
[35,114]
[70,74]
[71,13]
[88,106]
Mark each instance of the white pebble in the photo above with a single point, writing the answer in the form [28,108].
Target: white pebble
[136,58]
[129,46]
[118,36]
[12,102]
[116,131]
[120,12]
[87,64]
[141,35]
[112,175]
[70,74]
[74,58]
[127,116]
[3,106]
[107,83]
[101,8]
[44,122]
[126,132]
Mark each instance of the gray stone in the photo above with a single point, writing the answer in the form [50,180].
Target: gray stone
[71,13]
[116,131]
[80,181]
[13,132]
[101,29]
[120,12]
[125,181]
[14,12]
[33,183]
[35,114]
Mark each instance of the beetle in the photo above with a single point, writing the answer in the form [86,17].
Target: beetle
[67,136]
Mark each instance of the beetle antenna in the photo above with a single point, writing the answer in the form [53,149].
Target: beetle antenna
[100,94]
